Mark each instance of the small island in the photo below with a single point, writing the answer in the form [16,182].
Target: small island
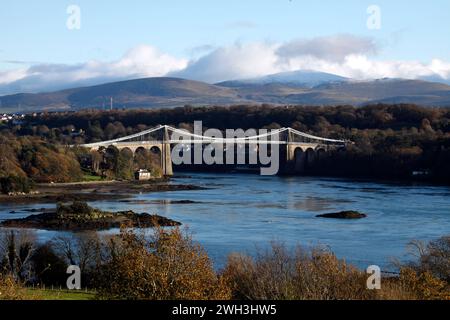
[79,216]
[343,215]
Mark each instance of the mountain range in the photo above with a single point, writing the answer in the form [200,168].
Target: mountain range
[298,87]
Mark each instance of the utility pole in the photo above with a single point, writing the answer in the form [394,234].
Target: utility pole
[111,103]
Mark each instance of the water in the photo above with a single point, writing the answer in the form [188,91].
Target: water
[244,213]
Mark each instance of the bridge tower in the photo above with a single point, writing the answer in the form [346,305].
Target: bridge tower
[287,158]
[166,154]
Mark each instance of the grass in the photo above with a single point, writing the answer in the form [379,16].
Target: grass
[48,294]
[90,178]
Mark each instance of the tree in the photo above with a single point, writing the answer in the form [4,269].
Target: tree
[170,266]
[16,250]
[15,184]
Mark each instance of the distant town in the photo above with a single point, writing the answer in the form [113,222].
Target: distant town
[16,118]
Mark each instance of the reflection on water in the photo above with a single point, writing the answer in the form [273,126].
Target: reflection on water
[317,204]
[242,212]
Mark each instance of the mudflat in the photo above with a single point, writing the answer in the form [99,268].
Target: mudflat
[93,191]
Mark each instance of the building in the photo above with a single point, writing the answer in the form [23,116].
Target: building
[142,175]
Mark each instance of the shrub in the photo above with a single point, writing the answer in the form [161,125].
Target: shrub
[15,184]
[423,285]
[281,275]
[76,208]
[433,258]
[10,289]
[170,266]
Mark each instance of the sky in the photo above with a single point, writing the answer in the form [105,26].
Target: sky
[46,45]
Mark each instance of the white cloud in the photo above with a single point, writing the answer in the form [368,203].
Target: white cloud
[141,61]
[361,67]
[233,62]
[344,55]
[12,75]
[331,48]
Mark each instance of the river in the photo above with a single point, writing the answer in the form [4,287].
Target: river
[244,213]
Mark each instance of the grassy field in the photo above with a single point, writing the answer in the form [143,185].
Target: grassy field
[47,294]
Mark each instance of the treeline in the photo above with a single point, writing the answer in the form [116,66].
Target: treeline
[335,122]
[391,141]
[27,160]
[169,265]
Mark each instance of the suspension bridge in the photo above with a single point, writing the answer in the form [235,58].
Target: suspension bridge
[297,150]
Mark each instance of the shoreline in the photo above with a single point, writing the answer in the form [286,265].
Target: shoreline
[93,191]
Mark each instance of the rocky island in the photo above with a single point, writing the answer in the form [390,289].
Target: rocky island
[80,217]
[343,215]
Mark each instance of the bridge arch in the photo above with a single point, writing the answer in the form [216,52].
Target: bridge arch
[299,160]
[141,150]
[320,153]
[310,157]
[142,158]
[156,153]
[155,149]
[126,151]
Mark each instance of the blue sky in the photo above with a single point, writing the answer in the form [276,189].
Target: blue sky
[35,32]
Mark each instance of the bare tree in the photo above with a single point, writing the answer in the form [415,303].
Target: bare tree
[16,250]
[83,249]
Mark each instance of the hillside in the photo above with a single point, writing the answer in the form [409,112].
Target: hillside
[276,89]
[301,78]
[149,92]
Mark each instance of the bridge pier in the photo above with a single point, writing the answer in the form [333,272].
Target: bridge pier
[299,158]
[166,160]
[166,154]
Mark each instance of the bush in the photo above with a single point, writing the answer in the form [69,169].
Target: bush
[170,266]
[11,184]
[318,275]
[281,275]
[10,289]
[423,285]
[433,258]
[76,208]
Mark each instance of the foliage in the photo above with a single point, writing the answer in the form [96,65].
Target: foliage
[281,275]
[423,285]
[169,267]
[76,208]
[433,257]
[10,289]
[319,275]
[38,160]
[11,184]
[391,141]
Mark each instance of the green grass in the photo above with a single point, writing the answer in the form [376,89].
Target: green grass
[90,177]
[46,294]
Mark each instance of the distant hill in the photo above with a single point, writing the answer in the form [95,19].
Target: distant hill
[347,92]
[149,92]
[286,88]
[303,78]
